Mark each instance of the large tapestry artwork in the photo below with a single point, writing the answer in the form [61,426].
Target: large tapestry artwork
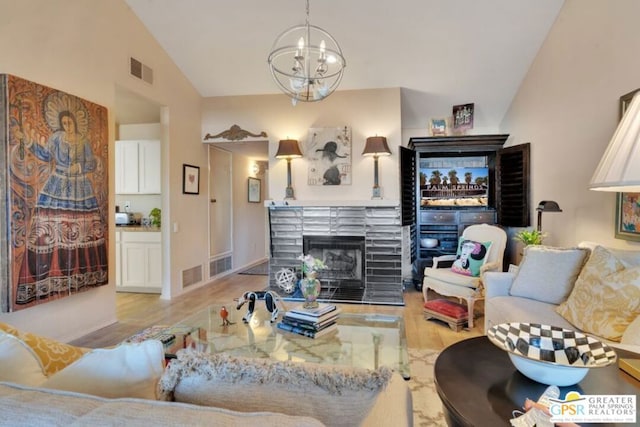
[329,154]
[55,163]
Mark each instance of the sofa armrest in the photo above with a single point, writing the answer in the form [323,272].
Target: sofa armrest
[497,283]
[393,406]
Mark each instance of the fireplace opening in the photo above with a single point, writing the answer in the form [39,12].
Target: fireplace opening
[344,256]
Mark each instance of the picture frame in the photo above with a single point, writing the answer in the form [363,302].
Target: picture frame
[627,204]
[328,152]
[35,230]
[628,216]
[254,190]
[438,126]
[190,179]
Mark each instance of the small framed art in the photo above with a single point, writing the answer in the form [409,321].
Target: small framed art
[190,179]
[254,190]
[628,216]
[627,204]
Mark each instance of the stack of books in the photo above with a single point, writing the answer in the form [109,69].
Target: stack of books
[313,323]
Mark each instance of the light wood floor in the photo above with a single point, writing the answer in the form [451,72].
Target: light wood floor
[138,311]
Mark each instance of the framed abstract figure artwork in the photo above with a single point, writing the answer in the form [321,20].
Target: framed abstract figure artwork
[55,161]
[329,153]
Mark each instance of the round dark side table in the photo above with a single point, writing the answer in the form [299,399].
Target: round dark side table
[479,386]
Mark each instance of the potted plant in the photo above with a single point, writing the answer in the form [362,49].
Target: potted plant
[530,237]
[155,217]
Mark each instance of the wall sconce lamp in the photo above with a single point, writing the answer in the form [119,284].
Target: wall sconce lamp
[546,206]
[376,146]
[619,168]
[288,149]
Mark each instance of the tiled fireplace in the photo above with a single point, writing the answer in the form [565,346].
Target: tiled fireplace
[361,245]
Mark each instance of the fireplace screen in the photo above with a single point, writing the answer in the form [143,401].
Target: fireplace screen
[343,256]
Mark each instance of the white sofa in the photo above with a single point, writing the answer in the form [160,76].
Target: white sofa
[29,406]
[43,382]
[551,282]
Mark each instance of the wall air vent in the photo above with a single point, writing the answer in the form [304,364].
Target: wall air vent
[191,276]
[141,71]
[220,265]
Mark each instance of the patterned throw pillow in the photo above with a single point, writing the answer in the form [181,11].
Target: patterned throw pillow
[605,298]
[53,354]
[470,257]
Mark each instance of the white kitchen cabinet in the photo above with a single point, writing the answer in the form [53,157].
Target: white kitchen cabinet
[141,261]
[118,260]
[138,166]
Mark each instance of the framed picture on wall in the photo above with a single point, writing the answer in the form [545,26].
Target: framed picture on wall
[628,216]
[627,204]
[190,179]
[254,190]
[328,151]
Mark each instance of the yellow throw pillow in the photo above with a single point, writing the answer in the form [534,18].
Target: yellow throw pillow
[53,354]
[605,298]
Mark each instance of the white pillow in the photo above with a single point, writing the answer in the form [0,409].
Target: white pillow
[18,363]
[129,370]
[547,274]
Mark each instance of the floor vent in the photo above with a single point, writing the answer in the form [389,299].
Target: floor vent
[191,276]
[140,70]
[219,266]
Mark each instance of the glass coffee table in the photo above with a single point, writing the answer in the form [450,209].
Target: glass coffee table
[361,340]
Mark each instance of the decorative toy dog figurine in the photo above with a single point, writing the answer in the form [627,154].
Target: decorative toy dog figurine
[251,297]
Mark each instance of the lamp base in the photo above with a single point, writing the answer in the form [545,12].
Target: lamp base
[288,193]
[377,194]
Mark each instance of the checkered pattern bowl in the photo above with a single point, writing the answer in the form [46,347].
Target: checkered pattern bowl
[550,354]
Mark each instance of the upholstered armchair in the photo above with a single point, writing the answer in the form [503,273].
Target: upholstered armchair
[480,249]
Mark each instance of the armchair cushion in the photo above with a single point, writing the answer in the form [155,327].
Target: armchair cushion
[470,257]
[447,275]
[547,274]
[606,298]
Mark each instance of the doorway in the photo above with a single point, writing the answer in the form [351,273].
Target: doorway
[220,211]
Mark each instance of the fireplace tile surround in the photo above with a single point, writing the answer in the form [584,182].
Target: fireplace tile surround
[377,222]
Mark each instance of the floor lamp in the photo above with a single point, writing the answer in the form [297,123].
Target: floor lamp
[546,206]
[288,149]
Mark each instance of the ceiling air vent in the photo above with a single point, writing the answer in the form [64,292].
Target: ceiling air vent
[140,71]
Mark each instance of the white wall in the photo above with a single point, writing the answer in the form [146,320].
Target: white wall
[82,47]
[368,113]
[567,107]
[249,219]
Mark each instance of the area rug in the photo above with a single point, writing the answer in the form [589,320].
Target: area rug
[427,408]
[261,269]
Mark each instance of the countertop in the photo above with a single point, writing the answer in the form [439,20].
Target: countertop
[137,227]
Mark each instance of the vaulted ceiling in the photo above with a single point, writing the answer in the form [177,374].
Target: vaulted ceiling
[440,52]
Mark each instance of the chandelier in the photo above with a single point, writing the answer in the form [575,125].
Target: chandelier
[306,62]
